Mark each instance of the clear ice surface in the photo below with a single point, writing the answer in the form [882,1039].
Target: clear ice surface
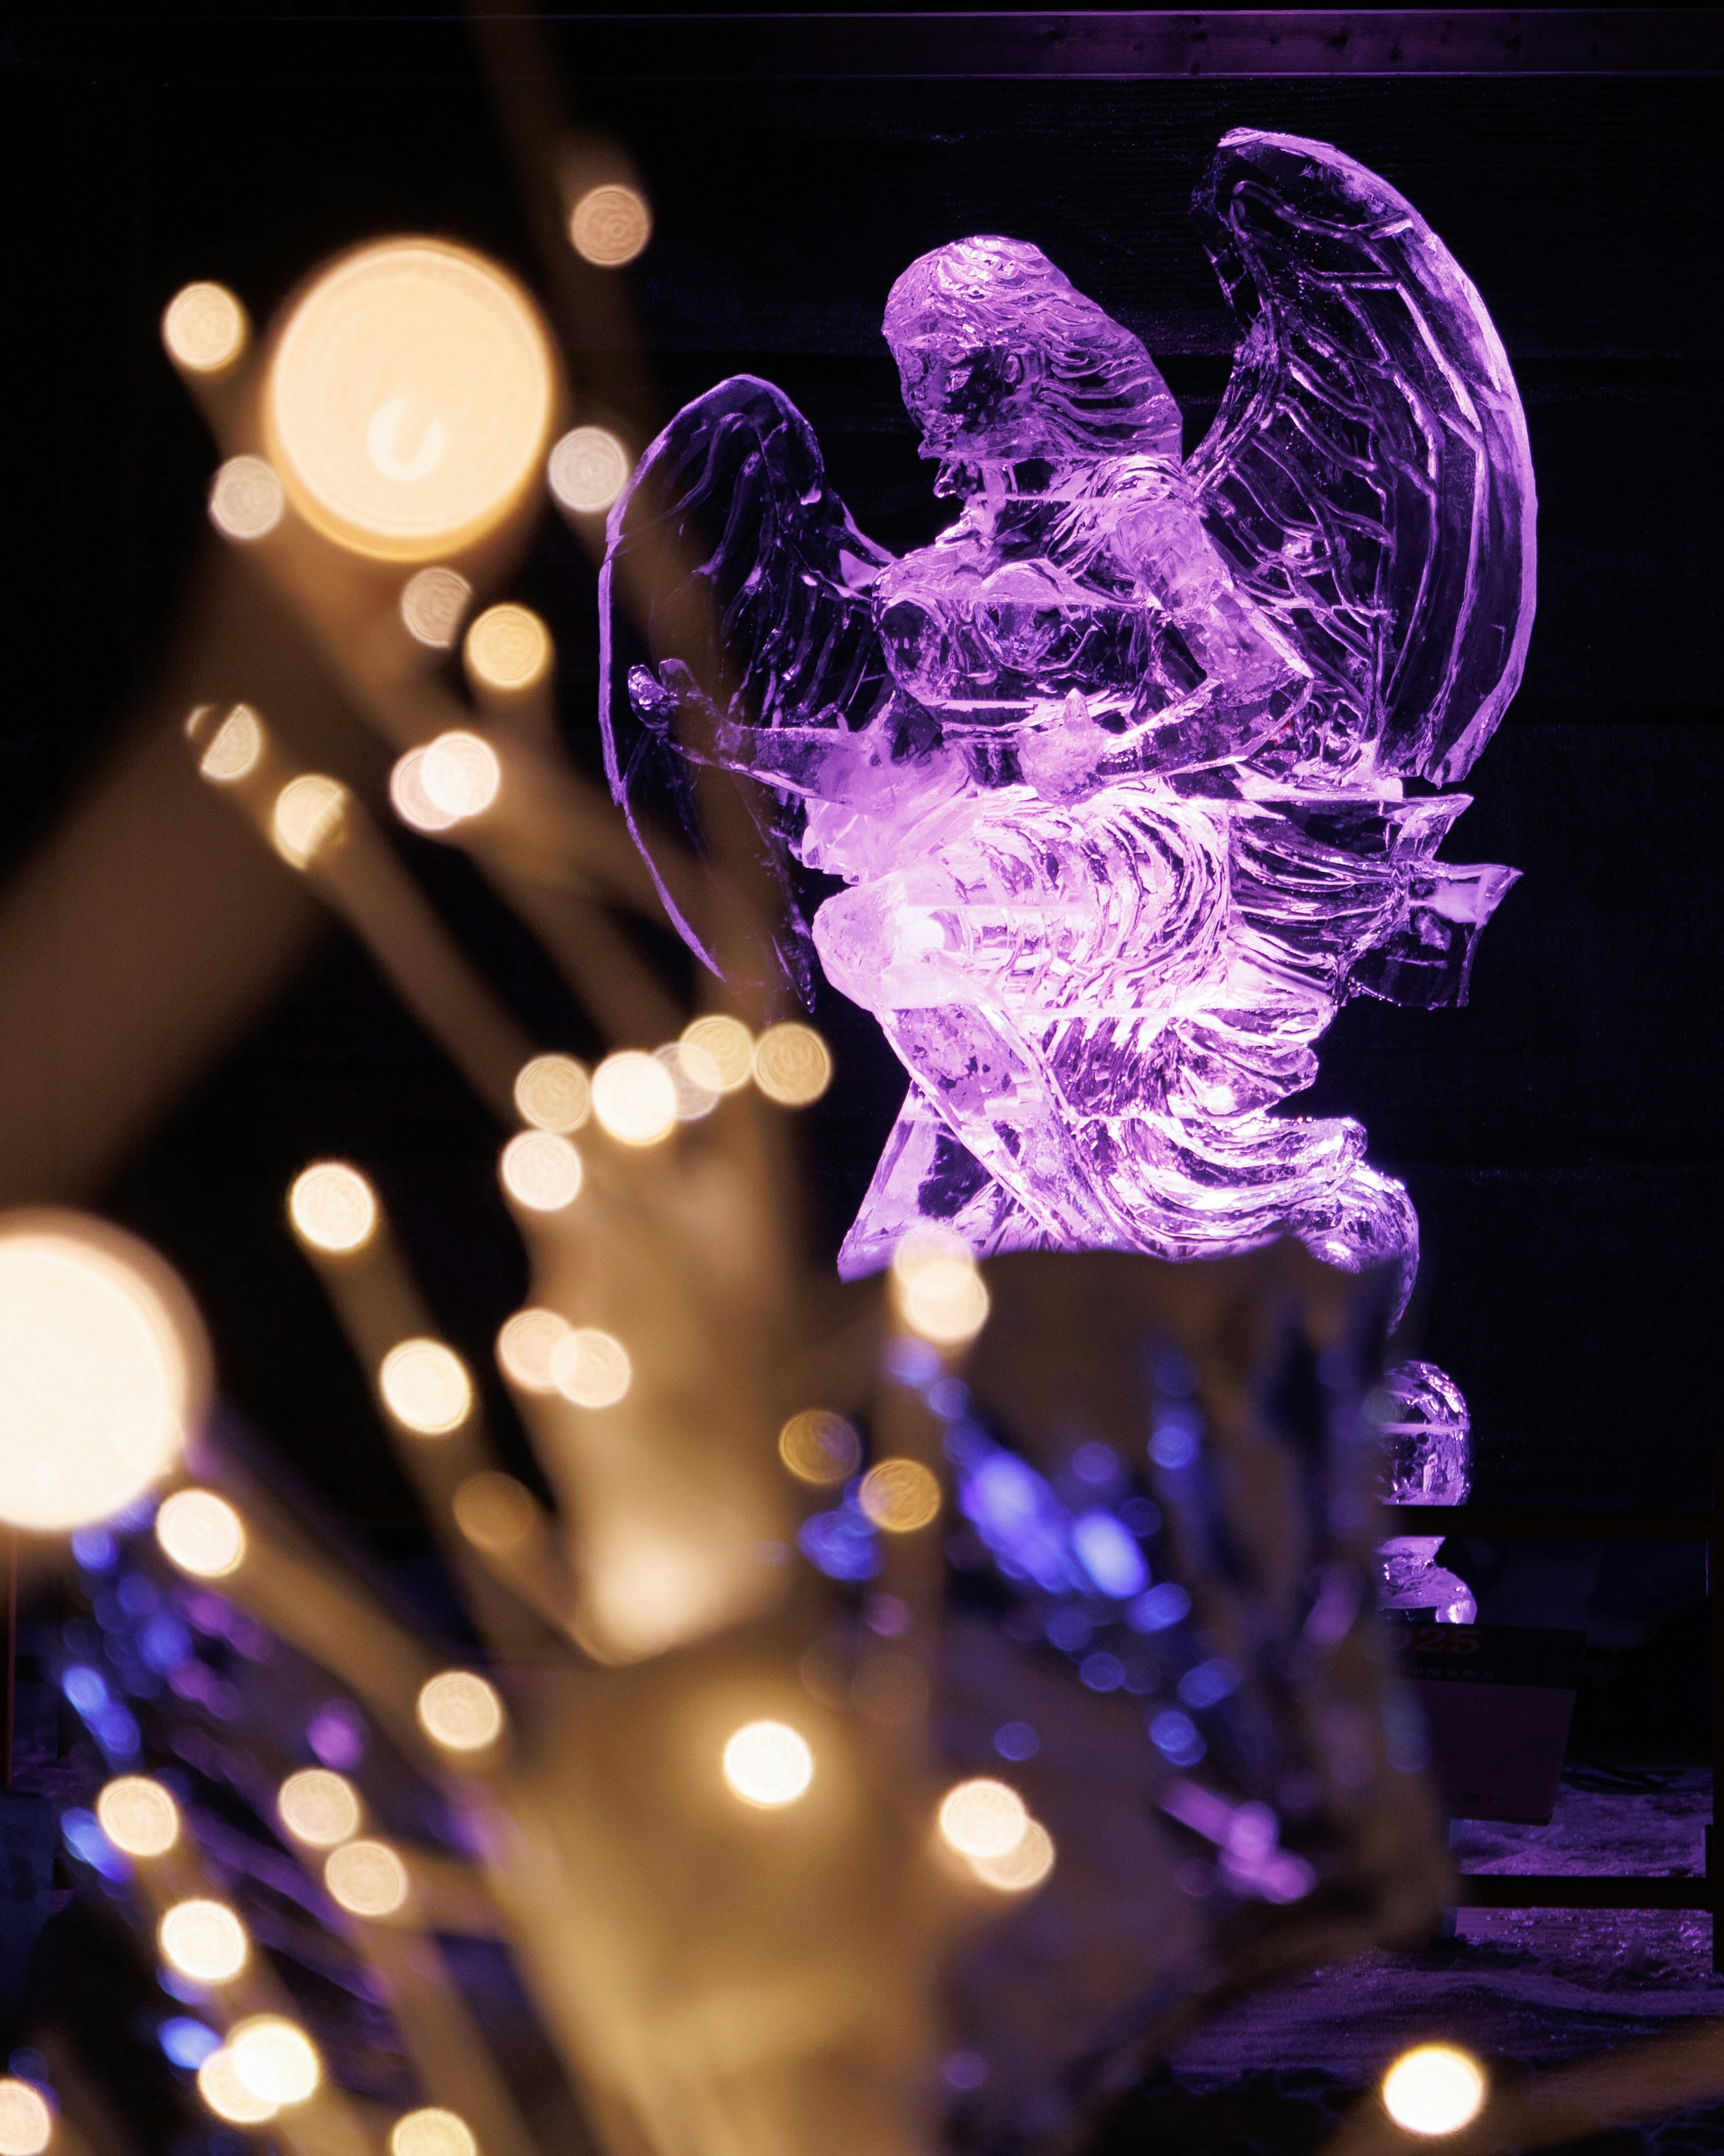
[1132,777]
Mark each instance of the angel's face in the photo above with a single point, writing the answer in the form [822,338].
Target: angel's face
[975,402]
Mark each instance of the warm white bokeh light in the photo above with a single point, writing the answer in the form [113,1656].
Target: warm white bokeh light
[588,469]
[694,1080]
[495,1512]
[201,1534]
[634,1098]
[609,226]
[1024,1865]
[245,499]
[234,747]
[410,801]
[460,775]
[318,1807]
[138,1815]
[553,1093]
[508,650]
[26,2122]
[768,1763]
[367,1878]
[983,1818]
[203,1940]
[274,2059]
[432,605]
[793,1066]
[204,328]
[227,2095]
[432,2133]
[310,817]
[332,1208]
[525,1345]
[728,1045]
[426,1388]
[900,1496]
[409,400]
[938,1290]
[819,1447]
[541,1171]
[102,1369]
[1433,2089]
[591,1368]
[460,1712]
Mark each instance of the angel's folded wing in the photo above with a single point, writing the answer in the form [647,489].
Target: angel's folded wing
[1368,476]
[730,550]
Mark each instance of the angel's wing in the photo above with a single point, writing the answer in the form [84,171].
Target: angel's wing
[730,550]
[1367,476]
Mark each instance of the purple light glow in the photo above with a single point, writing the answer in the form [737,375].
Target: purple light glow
[338,1736]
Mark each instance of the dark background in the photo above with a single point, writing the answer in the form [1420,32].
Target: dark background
[1560,1136]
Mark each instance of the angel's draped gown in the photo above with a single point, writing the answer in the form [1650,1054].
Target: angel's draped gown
[1100,1000]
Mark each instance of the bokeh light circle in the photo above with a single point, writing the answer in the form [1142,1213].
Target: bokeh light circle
[433,2132]
[138,1815]
[588,469]
[104,1369]
[541,1171]
[900,1496]
[634,1098]
[793,1066]
[460,1712]
[201,1534]
[275,2060]
[461,776]
[310,818]
[1024,1865]
[508,650]
[410,396]
[204,328]
[1433,2089]
[227,2095]
[432,605]
[610,225]
[553,1093]
[367,1878]
[26,2122]
[525,1345]
[768,1763]
[318,1807]
[203,1940]
[333,1208]
[729,1046]
[246,501]
[235,748]
[819,1447]
[426,1388]
[983,1818]
[591,1368]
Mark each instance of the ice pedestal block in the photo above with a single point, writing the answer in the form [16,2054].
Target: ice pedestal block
[1136,774]
[1427,1439]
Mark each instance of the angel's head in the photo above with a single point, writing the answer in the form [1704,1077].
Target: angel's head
[1003,360]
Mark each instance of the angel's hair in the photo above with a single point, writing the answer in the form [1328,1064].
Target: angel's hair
[1099,390]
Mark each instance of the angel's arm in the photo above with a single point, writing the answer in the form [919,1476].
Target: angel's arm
[1253,681]
[825,763]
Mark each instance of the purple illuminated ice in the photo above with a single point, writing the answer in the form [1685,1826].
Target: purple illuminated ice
[1132,776]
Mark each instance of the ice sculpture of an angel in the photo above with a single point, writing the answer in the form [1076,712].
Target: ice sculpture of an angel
[1133,776]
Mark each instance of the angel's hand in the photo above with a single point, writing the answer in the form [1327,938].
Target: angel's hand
[672,704]
[1061,760]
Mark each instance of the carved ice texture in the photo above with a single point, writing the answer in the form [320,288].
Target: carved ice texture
[1427,1460]
[1133,775]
